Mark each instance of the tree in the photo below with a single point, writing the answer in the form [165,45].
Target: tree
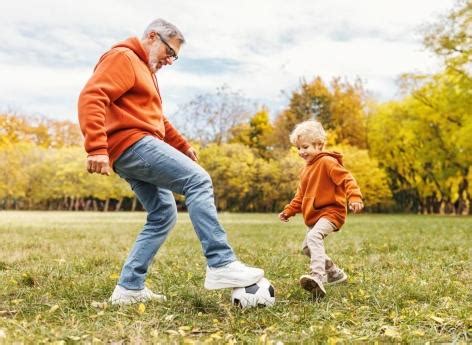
[256,134]
[209,117]
[340,108]
[451,38]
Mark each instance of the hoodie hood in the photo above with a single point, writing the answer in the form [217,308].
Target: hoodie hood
[336,155]
[136,46]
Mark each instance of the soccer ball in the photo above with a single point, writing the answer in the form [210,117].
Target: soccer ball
[261,293]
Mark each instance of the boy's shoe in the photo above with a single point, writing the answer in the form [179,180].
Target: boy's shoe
[314,284]
[122,296]
[335,277]
[235,274]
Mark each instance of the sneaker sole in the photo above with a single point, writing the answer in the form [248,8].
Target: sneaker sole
[128,301]
[214,284]
[310,285]
[342,280]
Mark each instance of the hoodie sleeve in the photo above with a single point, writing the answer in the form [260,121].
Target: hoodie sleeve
[174,138]
[342,177]
[295,205]
[113,76]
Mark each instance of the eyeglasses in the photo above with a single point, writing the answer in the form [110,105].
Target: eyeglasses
[170,52]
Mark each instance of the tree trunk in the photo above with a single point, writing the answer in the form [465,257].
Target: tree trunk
[118,205]
[133,205]
[107,203]
[94,205]
[71,203]
[87,205]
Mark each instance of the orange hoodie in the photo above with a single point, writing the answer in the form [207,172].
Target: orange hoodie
[121,103]
[323,189]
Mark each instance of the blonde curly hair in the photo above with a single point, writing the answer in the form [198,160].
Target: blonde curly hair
[311,130]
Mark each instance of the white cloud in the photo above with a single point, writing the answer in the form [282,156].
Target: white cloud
[50,47]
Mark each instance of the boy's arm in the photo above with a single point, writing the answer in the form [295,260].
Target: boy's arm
[342,177]
[295,205]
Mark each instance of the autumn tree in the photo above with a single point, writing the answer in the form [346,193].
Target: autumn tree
[209,117]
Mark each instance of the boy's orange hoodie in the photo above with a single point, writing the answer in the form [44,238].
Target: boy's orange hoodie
[121,103]
[323,189]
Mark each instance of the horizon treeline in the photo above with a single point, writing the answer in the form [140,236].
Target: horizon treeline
[409,155]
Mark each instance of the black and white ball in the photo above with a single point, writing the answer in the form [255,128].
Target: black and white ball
[261,293]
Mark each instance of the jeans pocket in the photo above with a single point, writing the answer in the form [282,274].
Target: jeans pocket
[143,162]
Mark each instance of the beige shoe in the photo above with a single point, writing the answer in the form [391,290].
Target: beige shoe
[335,277]
[314,284]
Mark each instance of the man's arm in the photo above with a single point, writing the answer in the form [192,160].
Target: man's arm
[112,77]
[177,140]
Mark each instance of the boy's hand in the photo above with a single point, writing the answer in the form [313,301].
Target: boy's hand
[283,217]
[356,206]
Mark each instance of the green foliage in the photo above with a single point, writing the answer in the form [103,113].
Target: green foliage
[339,108]
[371,178]
[256,134]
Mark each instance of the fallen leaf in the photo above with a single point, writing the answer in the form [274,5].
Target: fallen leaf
[141,308]
[99,305]
[172,332]
[334,340]
[390,331]
[437,319]
[114,276]
[53,309]
[2,334]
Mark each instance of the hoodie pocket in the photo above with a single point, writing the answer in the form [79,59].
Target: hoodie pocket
[308,206]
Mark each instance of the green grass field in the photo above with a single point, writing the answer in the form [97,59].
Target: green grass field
[410,280]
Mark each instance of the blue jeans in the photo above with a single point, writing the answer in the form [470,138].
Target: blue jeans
[154,169]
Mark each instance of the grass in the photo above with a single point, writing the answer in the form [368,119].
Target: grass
[410,280]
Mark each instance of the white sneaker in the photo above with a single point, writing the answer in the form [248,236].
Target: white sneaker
[235,274]
[122,296]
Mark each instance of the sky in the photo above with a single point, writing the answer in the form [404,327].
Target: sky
[257,47]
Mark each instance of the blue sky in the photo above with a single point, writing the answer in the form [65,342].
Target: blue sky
[49,47]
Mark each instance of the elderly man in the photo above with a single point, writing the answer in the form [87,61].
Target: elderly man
[121,117]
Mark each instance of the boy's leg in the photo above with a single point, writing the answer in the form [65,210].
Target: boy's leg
[315,245]
[305,249]
[314,281]
[153,161]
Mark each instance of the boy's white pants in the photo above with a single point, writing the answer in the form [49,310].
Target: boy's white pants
[313,246]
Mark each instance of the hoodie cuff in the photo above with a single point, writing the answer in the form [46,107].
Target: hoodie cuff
[355,199]
[289,212]
[98,152]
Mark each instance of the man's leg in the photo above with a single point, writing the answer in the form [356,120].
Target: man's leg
[162,214]
[153,161]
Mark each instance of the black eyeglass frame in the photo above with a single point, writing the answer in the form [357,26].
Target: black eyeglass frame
[170,50]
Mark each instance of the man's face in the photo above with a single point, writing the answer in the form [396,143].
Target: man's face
[163,52]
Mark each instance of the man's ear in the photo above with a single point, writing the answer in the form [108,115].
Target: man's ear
[151,36]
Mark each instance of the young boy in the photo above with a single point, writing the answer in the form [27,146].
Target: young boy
[321,197]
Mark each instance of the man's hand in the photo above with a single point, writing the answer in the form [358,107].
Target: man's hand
[99,164]
[192,154]
[356,206]
[283,217]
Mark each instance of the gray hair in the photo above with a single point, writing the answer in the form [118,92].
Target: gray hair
[311,130]
[165,29]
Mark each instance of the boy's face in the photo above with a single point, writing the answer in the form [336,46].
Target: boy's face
[307,150]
